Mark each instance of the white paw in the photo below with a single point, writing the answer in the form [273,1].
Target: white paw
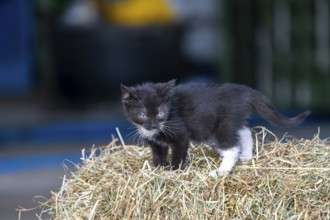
[213,174]
[245,159]
[218,173]
[170,173]
[223,172]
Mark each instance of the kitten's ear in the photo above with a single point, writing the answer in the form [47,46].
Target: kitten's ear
[165,87]
[171,83]
[126,95]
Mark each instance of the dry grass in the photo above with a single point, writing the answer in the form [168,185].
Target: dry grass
[287,179]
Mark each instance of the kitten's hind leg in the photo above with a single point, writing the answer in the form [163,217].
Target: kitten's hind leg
[229,159]
[246,144]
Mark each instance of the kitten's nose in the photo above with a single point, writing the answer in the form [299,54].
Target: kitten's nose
[151,127]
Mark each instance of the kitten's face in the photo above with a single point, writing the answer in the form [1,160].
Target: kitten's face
[147,106]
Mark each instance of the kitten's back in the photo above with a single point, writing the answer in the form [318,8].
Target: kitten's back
[232,101]
[206,107]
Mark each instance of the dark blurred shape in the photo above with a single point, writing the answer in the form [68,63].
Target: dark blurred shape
[201,41]
[91,63]
[281,48]
[94,46]
[16,46]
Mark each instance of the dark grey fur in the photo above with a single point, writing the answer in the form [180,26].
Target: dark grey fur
[195,112]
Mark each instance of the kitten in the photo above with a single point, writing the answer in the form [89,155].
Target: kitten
[168,115]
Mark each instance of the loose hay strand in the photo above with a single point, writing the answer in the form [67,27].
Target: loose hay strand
[288,179]
[120,137]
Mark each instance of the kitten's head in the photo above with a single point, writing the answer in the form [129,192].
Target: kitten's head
[147,106]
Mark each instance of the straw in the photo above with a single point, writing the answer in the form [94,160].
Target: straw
[287,179]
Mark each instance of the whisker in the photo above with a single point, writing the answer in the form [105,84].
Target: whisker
[173,123]
[134,137]
[132,132]
[167,130]
[140,139]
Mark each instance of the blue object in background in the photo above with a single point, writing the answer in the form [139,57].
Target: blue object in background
[99,133]
[49,161]
[16,46]
[64,132]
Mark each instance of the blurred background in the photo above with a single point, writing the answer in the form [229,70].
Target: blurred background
[62,63]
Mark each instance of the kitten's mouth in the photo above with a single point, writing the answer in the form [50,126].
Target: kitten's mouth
[147,133]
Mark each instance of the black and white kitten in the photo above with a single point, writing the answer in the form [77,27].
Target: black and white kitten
[170,116]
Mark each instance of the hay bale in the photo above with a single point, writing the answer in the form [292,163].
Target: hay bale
[287,179]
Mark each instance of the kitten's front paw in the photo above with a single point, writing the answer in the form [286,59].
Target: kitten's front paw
[170,174]
[218,173]
[213,174]
[245,160]
[160,163]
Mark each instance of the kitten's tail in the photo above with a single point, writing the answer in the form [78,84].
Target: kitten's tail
[267,110]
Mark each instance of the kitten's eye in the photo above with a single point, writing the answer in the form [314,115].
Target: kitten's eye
[142,116]
[160,114]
